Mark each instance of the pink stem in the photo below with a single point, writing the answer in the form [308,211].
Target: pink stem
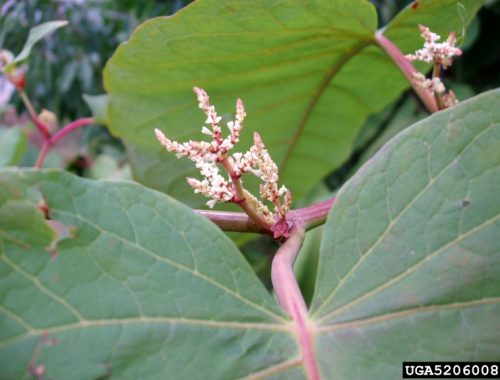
[49,142]
[44,130]
[43,153]
[233,221]
[406,68]
[311,217]
[70,128]
[314,215]
[291,300]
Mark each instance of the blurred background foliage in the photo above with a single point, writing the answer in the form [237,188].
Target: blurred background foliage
[70,62]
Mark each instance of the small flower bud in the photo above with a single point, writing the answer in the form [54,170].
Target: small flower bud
[49,119]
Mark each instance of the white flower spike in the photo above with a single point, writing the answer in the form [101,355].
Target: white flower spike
[438,52]
[208,155]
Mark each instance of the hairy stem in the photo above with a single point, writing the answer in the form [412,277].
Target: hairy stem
[406,68]
[49,142]
[291,300]
[44,130]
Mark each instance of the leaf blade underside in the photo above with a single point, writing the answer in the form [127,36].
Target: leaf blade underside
[409,266]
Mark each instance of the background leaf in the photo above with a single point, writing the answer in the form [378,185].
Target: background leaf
[35,35]
[142,288]
[98,105]
[305,70]
[13,143]
[409,266]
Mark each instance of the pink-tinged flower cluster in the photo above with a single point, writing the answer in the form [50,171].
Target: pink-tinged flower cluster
[208,155]
[431,85]
[267,170]
[435,86]
[215,150]
[438,52]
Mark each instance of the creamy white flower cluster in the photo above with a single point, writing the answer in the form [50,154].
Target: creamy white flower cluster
[434,85]
[267,170]
[207,157]
[438,52]
[441,55]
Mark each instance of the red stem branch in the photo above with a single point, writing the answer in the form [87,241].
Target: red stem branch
[310,217]
[233,221]
[44,130]
[291,300]
[406,68]
[52,140]
[314,215]
[43,153]
[70,128]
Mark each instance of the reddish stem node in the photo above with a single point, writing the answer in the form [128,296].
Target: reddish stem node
[310,217]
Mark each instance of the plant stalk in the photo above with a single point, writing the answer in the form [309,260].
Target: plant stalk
[241,200]
[310,217]
[44,130]
[406,68]
[291,300]
[52,140]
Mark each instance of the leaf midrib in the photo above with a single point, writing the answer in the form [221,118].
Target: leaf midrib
[335,68]
[407,313]
[95,323]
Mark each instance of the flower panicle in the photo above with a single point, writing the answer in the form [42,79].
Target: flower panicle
[268,171]
[208,155]
[441,53]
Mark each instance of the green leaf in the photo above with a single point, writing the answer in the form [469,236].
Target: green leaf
[143,287]
[158,171]
[98,105]
[306,71]
[35,35]
[13,143]
[409,266]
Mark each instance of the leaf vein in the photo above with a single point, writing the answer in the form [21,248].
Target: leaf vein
[399,216]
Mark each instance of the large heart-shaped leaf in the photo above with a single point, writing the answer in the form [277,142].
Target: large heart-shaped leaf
[142,288]
[410,265]
[307,71]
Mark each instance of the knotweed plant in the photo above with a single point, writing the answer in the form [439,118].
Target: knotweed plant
[441,55]
[212,156]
